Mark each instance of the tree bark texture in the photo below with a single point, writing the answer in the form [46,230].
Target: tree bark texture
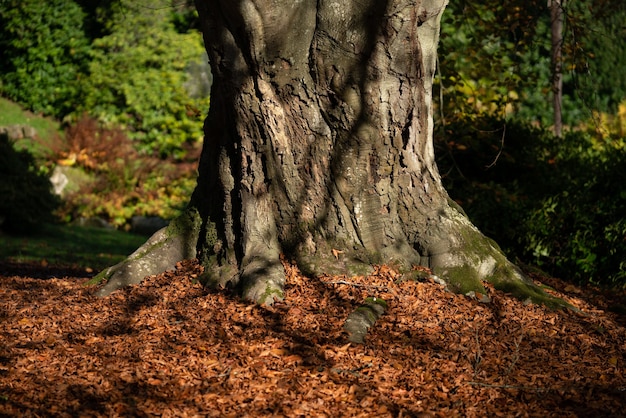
[318,145]
[319,138]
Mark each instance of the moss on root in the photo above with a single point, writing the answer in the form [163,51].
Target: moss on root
[462,279]
[363,318]
[98,278]
[526,290]
[270,295]
[161,252]
[263,281]
[217,273]
[476,258]
[338,259]
[220,267]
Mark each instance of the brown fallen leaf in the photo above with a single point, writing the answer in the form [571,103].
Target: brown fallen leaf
[207,353]
[336,253]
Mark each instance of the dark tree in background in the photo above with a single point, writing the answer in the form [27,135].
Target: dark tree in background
[318,145]
[557,17]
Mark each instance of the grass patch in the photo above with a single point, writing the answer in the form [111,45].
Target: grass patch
[47,129]
[70,246]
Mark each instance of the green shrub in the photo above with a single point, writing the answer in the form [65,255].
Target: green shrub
[125,183]
[554,202]
[43,51]
[137,80]
[124,63]
[581,228]
[27,198]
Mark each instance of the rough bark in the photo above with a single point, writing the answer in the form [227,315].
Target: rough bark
[557,18]
[318,145]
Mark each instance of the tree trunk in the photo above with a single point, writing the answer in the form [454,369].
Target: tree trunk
[557,17]
[318,145]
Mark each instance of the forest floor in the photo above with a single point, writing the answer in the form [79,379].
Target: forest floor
[171,348]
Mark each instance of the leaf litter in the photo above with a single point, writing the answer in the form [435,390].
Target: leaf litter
[171,348]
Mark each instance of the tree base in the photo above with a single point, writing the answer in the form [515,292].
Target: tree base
[468,260]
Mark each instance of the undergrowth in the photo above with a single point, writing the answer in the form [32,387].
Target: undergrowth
[26,199]
[124,182]
[69,246]
[556,203]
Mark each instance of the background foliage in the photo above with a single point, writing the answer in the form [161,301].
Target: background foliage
[26,196]
[124,183]
[495,58]
[117,75]
[43,52]
[556,203]
[137,79]
[122,62]
[552,202]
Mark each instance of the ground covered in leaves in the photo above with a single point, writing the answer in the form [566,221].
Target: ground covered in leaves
[172,348]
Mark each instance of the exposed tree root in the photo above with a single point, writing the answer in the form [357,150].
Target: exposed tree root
[471,258]
[263,282]
[364,317]
[465,259]
[160,253]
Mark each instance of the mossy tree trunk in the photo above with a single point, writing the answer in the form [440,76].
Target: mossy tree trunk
[318,145]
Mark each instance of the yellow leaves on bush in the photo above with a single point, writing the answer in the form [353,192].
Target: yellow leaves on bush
[125,182]
[611,129]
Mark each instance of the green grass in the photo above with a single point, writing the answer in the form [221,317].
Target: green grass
[47,129]
[70,246]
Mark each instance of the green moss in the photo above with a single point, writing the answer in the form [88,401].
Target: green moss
[462,279]
[189,220]
[526,291]
[263,285]
[456,207]
[493,244]
[358,268]
[210,277]
[364,317]
[99,278]
[479,246]
[210,259]
[271,294]
[210,235]
[368,314]
[184,226]
[220,269]
[376,301]
[413,275]
[217,272]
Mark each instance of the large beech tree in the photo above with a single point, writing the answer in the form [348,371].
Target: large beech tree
[318,145]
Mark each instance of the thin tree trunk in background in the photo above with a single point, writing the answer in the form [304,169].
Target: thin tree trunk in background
[557,17]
